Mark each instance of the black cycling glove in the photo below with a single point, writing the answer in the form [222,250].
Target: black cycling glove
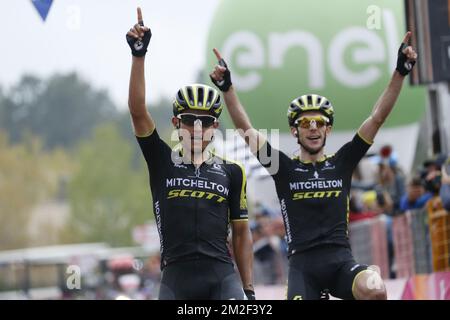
[225,84]
[404,66]
[139,47]
[250,294]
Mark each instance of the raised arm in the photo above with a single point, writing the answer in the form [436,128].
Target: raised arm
[383,107]
[138,39]
[221,77]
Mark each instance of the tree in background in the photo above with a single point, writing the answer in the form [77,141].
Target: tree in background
[87,159]
[62,110]
[28,175]
[107,195]
[161,114]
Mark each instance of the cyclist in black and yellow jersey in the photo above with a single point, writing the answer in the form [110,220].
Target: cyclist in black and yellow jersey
[314,188]
[196,194]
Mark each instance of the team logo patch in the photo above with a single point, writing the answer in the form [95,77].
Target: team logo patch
[217,169]
[138,45]
[328,166]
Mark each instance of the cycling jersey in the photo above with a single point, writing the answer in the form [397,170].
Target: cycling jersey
[314,198]
[193,205]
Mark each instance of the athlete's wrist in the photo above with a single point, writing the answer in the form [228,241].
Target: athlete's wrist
[136,58]
[249,287]
[397,74]
[230,90]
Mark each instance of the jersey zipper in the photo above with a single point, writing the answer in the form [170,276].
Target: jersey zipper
[197,174]
[316,175]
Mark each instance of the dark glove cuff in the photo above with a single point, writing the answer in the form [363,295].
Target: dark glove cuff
[250,294]
[226,83]
[404,66]
[139,47]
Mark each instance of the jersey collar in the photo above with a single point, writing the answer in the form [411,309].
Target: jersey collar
[324,158]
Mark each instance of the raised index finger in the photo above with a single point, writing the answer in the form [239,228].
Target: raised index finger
[407,37]
[139,16]
[217,53]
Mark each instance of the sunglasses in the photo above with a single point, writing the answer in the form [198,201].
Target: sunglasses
[189,119]
[308,122]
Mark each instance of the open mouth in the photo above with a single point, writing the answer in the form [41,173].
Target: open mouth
[313,138]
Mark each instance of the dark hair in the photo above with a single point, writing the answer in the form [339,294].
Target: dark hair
[433,185]
[416,181]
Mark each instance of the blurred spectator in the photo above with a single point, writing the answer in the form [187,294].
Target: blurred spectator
[362,206]
[267,260]
[390,188]
[444,192]
[280,235]
[431,173]
[359,183]
[416,196]
[262,210]
[432,180]
[151,277]
[390,179]
[434,164]
[129,284]
[120,285]
[429,188]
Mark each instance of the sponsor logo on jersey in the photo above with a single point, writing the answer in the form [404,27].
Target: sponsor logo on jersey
[286,220]
[188,193]
[200,184]
[316,194]
[217,169]
[157,212]
[316,176]
[328,166]
[308,185]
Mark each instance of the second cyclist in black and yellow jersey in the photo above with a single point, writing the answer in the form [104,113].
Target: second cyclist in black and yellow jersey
[313,189]
[196,194]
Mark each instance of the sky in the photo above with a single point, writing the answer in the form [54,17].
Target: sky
[89,37]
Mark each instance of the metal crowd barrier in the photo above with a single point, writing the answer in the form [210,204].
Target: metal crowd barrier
[368,239]
[420,239]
